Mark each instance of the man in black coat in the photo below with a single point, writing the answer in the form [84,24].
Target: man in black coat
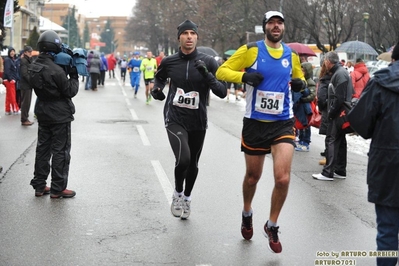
[26,89]
[54,110]
[340,91]
[376,116]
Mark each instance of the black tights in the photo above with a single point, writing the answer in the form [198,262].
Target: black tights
[187,147]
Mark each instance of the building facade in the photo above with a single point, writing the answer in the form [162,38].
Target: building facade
[31,12]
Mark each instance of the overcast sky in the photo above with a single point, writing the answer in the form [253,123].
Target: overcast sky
[95,8]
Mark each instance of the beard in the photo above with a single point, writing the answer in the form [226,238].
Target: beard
[273,38]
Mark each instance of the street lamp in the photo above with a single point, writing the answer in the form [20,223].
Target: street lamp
[68,26]
[365,19]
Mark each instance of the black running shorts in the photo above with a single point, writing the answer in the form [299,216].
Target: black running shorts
[257,136]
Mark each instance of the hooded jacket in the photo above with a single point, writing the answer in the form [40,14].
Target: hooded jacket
[360,76]
[95,64]
[376,116]
[111,62]
[311,85]
[10,67]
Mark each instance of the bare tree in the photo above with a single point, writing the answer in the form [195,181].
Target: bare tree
[227,24]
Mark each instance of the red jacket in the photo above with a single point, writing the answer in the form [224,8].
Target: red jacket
[111,62]
[360,76]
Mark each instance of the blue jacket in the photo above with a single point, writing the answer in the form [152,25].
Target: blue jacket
[302,110]
[104,65]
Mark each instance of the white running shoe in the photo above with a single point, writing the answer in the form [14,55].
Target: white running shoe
[176,206]
[186,209]
[322,177]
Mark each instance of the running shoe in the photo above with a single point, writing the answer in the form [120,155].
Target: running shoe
[302,147]
[176,206]
[247,230]
[272,234]
[186,209]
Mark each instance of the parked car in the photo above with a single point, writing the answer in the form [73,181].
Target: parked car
[379,65]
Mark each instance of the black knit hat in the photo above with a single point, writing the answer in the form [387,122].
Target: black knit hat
[186,25]
[395,52]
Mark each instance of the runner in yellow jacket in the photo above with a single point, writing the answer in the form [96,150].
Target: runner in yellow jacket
[148,67]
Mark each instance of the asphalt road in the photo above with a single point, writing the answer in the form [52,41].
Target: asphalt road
[122,171]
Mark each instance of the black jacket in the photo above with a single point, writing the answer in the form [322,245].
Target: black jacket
[322,99]
[23,73]
[375,116]
[54,95]
[185,77]
[340,91]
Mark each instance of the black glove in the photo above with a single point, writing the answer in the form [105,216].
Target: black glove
[201,67]
[297,85]
[157,94]
[73,73]
[252,79]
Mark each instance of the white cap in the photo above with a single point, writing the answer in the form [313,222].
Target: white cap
[270,14]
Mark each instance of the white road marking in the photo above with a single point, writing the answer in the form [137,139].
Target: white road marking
[143,136]
[134,115]
[163,179]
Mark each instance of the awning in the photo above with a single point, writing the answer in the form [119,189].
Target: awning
[46,24]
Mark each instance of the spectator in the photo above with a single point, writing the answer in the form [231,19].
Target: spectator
[307,96]
[103,69]
[160,57]
[94,70]
[375,117]
[322,103]
[341,90]
[26,89]
[54,110]
[360,76]
[10,79]
[111,65]
[349,66]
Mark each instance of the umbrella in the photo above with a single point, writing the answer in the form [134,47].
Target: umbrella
[207,50]
[230,52]
[356,47]
[385,57]
[301,49]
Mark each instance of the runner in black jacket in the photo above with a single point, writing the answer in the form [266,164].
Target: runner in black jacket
[192,76]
